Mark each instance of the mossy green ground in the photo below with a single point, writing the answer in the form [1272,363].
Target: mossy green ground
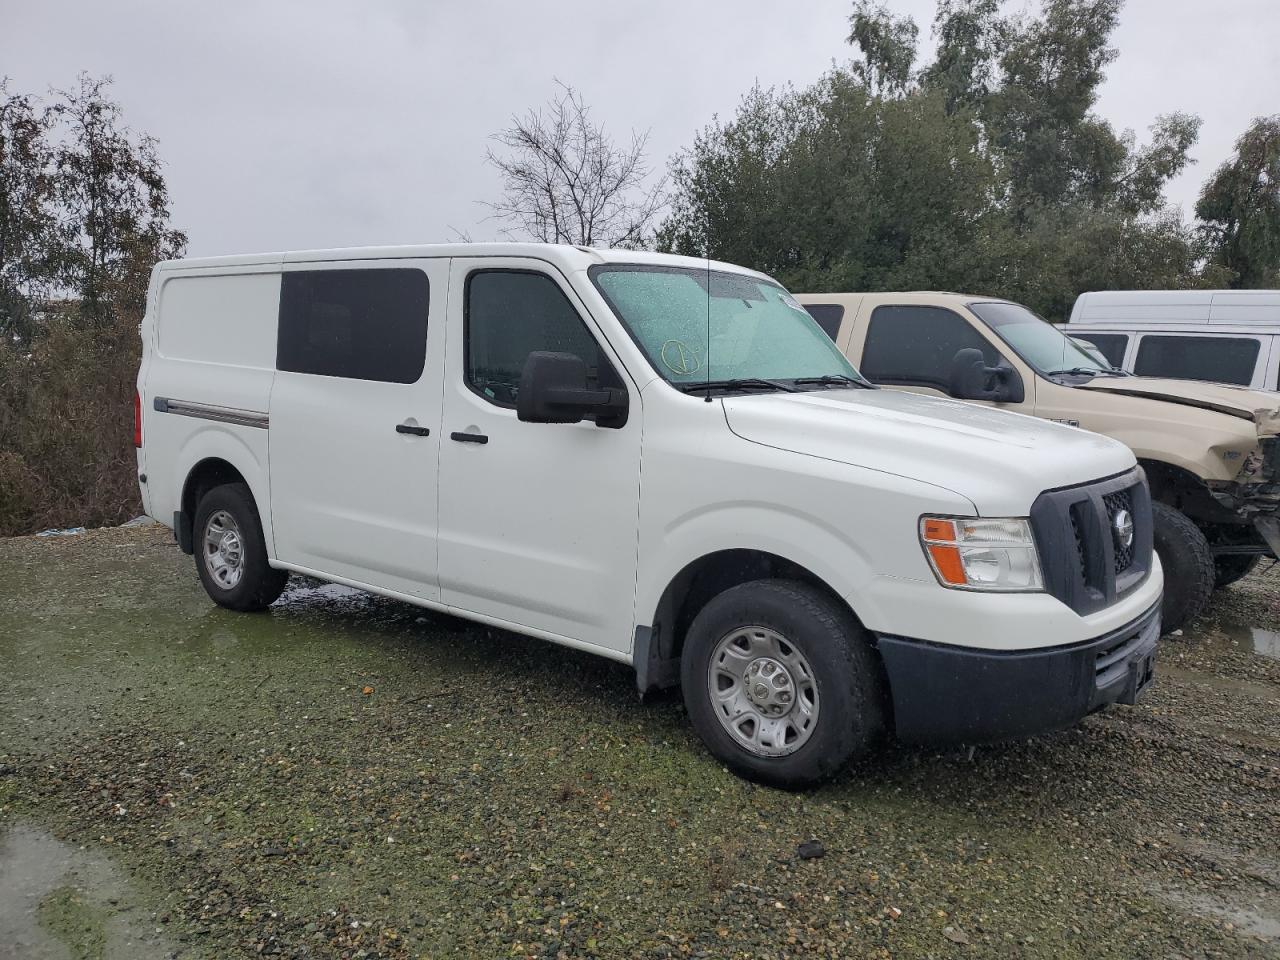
[77,925]
[347,774]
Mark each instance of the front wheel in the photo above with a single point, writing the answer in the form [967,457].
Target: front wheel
[1187,560]
[781,683]
[231,553]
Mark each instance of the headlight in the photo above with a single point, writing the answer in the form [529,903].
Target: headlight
[976,554]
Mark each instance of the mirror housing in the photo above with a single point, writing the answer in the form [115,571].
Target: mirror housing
[972,379]
[553,389]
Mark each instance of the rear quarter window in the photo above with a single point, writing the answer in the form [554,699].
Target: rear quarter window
[1219,359]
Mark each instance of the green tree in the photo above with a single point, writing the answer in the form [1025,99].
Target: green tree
[970,35]
[887,45]
[986,170]
[83,218]
[1240,208]
[1040,118]
[113,199]
[28,219]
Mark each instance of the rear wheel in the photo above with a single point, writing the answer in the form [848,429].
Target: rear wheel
[1187,560]
[1231,568]
[781,682]
[231,553]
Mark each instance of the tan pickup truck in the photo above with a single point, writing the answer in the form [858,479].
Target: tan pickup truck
[1211,452]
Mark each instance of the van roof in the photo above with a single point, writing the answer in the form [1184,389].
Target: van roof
[565,256]
[1130,308]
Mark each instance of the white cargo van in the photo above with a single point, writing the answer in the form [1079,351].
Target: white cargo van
[660,460]
[1224,336]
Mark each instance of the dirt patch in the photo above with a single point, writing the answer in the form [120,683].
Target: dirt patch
[345,773]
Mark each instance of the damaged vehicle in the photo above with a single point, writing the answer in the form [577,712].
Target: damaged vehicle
[1210,451]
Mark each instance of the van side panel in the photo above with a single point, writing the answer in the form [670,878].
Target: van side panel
[227,319]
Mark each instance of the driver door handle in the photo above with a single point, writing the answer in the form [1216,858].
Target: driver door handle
[412,430]
[469,437]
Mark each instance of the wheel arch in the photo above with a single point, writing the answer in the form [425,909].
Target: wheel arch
[204,475]
[660,643]
[1178,487]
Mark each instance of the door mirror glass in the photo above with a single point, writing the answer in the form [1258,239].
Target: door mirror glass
[553,389]
[973,379]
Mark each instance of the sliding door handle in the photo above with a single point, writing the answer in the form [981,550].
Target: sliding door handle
[469,437]
[412,430]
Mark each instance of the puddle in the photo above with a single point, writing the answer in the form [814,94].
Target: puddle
[1236,637]
[1259,920]
[1266,643]
[60,903]
[315,592]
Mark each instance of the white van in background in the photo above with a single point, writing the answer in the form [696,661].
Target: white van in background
[1224,336]
[660,460]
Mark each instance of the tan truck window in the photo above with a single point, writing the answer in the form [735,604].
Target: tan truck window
[916,345]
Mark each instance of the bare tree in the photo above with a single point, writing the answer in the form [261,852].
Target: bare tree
[566,181]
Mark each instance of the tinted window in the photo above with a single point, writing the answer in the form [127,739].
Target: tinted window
[1112,345]
[512,313]
[1221,359]
[828,316]
[359,324]
[916,345]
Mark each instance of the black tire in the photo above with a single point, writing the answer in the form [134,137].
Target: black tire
[258,584]
[1188,566]
[1230,568]
[846,673]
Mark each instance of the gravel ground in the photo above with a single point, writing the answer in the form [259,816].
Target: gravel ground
[348,776]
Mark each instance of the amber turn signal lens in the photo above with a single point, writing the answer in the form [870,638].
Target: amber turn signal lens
[946,560]
[940,530]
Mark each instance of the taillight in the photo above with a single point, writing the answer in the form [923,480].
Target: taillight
[137,419]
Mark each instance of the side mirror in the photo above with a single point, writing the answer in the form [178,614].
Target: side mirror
[972,379]
[553,389]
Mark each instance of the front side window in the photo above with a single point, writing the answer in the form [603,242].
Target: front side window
[911,345]
[509,315]
[698,326]
[358,324]
[1220,359]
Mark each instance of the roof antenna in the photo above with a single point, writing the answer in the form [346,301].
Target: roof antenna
[706,249]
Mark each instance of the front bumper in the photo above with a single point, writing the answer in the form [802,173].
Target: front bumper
[943,693]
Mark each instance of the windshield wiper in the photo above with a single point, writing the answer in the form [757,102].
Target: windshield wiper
[1088,371]
[738,383]
[834,380]
[1077,371]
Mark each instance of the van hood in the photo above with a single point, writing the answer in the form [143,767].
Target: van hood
[997,460]
[1260,406]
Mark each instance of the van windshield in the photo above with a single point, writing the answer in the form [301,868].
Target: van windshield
[719,330]
[1039,342]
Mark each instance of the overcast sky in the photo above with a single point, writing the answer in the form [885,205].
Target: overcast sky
[316,123]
